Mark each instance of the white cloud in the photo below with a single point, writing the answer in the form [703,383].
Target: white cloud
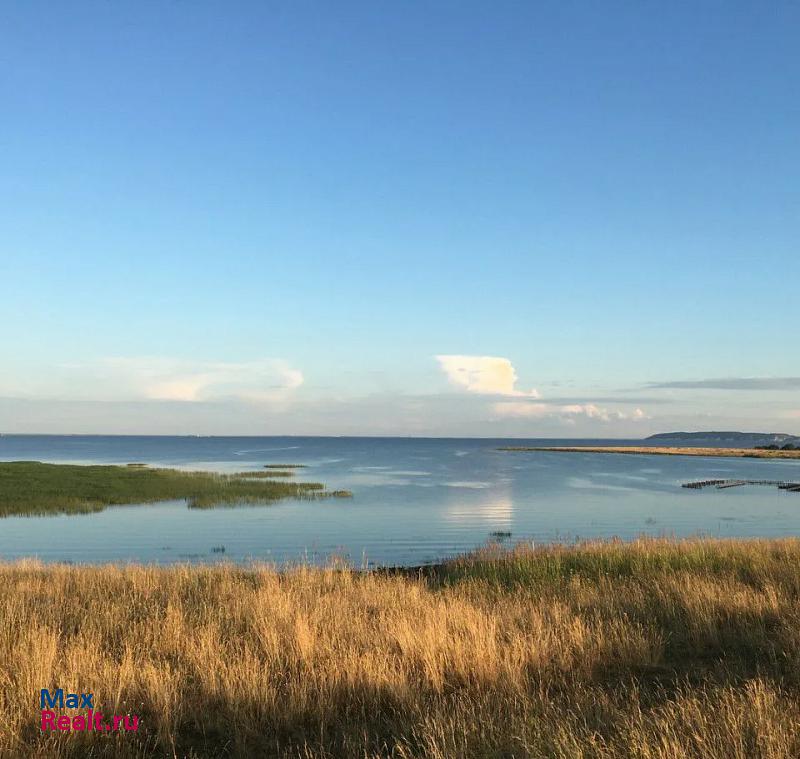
[493,375]
[484,375]
[168,379]
[523,410]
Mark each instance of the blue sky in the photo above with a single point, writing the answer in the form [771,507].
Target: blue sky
[267,218]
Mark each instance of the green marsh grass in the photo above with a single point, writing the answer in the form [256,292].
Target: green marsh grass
[31,487]
[259,475]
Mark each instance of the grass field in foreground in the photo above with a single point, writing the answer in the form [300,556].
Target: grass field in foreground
[30,487]
[749,453]
[655,649]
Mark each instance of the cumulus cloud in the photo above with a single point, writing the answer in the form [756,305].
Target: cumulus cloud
[168,379]
[523,410]
[495,376]
[483,375]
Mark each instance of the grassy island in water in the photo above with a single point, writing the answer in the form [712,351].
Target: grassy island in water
[31,487]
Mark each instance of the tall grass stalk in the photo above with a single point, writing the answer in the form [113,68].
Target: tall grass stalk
[654,649]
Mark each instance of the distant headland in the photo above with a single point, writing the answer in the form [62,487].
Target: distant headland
[728,444]
[739,439]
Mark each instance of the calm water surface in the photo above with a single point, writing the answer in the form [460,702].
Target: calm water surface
[415,500]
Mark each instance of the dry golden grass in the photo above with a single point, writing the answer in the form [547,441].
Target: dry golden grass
[748,453]
[657,649]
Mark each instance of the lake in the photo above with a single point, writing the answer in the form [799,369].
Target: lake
[415,500]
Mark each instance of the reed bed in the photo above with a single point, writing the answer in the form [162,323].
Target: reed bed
[656,649]
[263,475]
[31,487]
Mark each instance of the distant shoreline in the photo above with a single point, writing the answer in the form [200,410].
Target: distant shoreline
[752,453]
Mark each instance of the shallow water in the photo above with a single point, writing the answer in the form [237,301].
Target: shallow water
[415,500]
